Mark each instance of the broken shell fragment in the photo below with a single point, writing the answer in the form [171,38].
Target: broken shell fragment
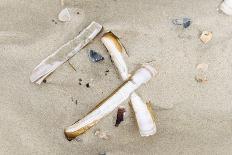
[145,122]
[141,76]
[120,116]
[142,114]
[206,36]
[201,78]
[202,67]
[102,135]
[64,53]
[95,57]
[64,15]
[77,139]
[226,7]
[185,22]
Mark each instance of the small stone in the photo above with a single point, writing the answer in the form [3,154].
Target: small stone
[95,57]
[64,15]
[206,36]
[120,116]
[185,22]
[87,85]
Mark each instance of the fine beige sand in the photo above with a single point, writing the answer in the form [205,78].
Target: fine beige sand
[192,118]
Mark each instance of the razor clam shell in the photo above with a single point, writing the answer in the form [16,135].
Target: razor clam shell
[115,50]
[145,122]
[105,107]
[64,53]
[143,116]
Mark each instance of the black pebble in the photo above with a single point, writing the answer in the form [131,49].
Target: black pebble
[87,85]
[95,57]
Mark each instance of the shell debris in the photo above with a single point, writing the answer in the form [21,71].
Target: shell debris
[206,36]
[185,22]
[64,15]
[202,67]
[102,134]
[201,78]
[120,116]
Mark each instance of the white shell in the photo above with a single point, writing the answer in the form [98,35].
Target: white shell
[64,15]
[202,67]
[116,55]
[226,7]
[144,119]
[64,53]
[140,77]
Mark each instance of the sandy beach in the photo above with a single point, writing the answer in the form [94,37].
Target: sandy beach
[192,117]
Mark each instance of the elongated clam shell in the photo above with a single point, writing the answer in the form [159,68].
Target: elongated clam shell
[143,116]
[140,77]
[115,50]
[64,53]
[145,120]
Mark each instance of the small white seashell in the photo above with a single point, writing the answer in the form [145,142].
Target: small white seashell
[203,67]
[64,15]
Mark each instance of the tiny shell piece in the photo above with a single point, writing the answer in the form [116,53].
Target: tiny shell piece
[226,7]
[206,36]
[201,78]
[101,135]
[120,116]
[203,67]
[185,22]
[64,15]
